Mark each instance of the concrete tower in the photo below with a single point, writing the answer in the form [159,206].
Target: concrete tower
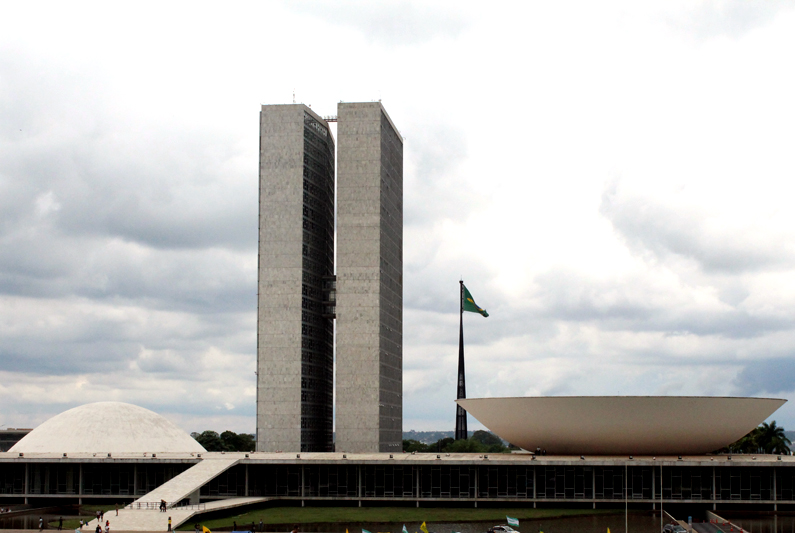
[369,304]
[296,267]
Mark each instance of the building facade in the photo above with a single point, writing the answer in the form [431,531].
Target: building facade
[295,332]
[760,483]
[369,299]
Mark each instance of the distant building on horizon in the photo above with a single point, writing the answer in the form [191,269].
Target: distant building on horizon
[299,294]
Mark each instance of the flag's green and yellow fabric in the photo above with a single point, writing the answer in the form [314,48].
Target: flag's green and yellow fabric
[424,528]
[470,305]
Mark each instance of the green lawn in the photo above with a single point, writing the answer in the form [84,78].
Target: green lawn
[412,516]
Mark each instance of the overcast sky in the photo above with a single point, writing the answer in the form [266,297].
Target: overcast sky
[613,180]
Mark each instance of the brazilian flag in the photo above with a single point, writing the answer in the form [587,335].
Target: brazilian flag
[470,305]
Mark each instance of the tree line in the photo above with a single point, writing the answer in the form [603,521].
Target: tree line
[767,438]
[228,441]
[480,442]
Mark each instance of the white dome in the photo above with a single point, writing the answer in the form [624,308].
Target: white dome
[107,427]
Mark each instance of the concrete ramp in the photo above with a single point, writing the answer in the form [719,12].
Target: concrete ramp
[191,480]
[133,519]
[144,513]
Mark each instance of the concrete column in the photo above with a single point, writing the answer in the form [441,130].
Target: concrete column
[477,481]
[246,490]
[417,484]
[653,489]
[775,505]
[26,483]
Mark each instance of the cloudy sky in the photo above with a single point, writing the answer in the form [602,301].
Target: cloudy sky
[613,180]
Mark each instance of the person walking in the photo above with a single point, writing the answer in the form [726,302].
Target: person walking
[169,523]
[41,523]
[60,523]
[117,509]
[260,525]
[234,525]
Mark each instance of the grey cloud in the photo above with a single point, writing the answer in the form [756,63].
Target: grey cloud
[41,264]
[435,188]
[99,340]
[389,22]
[768,376]
[93,205]
[650,226]
[633,304]
[106,175]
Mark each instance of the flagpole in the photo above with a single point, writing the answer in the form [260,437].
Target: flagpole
[460,413]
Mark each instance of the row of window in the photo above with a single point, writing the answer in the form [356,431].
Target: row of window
[521,481]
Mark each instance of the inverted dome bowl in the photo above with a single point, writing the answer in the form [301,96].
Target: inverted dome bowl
[619,425]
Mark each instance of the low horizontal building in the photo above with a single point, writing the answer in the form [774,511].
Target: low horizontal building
[119,453]
[368,479]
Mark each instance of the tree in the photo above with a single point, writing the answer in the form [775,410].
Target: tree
[210,440]
[770,438]
[228,441]
[767,438]
[238,442]
[492,442]
[466,446]
[412,445]
[480,442]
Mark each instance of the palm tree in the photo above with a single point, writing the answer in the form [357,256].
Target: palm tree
[770,438]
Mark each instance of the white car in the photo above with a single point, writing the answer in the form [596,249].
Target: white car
[502,529]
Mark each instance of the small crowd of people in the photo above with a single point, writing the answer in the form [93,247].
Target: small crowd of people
[60,523]
[253,528]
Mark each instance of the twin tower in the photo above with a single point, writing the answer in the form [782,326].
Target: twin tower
[306,216]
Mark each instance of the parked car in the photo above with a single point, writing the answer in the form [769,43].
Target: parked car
[674,528]
[502,529]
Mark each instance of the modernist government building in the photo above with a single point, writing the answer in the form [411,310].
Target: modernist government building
[301,293]
[330,302]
